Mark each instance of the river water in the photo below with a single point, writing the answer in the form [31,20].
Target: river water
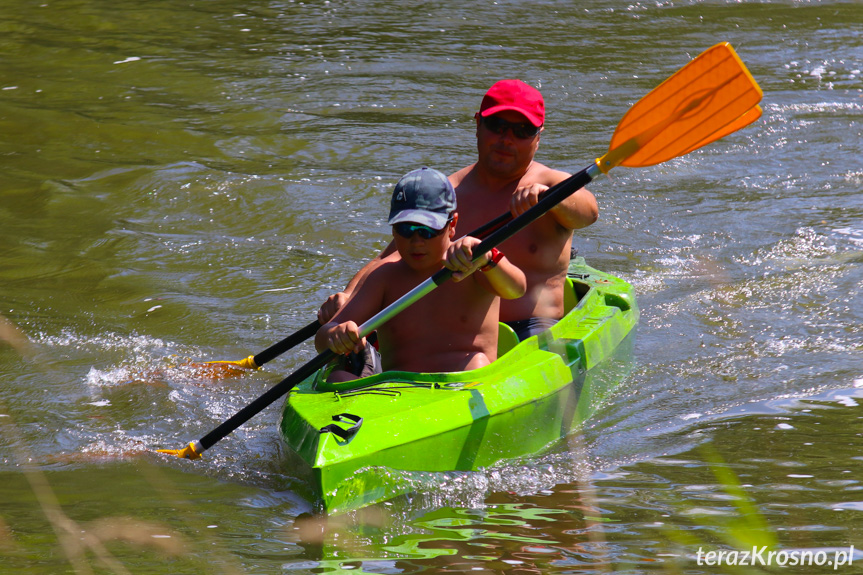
[191,179]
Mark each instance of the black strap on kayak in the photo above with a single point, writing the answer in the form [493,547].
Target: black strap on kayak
[345,434]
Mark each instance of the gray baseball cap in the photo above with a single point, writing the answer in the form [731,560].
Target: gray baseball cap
[424,196]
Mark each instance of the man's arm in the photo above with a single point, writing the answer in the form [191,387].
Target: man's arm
[577,211]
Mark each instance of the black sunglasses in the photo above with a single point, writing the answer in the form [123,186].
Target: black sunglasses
[521,130]
[407,230]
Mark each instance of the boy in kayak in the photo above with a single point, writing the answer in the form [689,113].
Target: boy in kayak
[453,328]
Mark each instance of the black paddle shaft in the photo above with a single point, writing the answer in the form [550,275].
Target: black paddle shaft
[289,342]
[266,399]
[550,198]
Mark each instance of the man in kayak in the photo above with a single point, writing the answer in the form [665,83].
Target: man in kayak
[453,328]
[506,178]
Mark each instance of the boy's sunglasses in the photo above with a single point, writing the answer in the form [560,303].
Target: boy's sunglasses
[521,130]
[407,230]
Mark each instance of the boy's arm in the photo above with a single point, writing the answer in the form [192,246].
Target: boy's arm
[340,338]
[336,301]
[502,278]
[341,333]
[498,276]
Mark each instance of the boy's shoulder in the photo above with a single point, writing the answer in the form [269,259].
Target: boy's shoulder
[391,271]
[391,265]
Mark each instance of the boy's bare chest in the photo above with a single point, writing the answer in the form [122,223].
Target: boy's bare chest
[448,306]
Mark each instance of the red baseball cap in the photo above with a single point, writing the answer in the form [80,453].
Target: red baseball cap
[514,95]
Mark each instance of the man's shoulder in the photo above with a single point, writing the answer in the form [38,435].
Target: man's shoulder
[460,176]
[542,174]
[470,179]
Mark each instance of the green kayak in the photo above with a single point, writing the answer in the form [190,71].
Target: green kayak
[355,443]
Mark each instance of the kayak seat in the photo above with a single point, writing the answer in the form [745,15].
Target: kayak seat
[570,298]
[506,339]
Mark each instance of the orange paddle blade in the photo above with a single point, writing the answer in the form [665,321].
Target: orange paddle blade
[747,118]
[695,106]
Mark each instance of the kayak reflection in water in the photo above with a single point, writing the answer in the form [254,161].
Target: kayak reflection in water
[454,328]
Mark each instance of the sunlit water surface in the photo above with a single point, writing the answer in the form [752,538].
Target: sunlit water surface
[190,181]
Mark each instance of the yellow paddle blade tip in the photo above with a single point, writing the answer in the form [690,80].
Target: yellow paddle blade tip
[247,363]
[615,157]
[188,452]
